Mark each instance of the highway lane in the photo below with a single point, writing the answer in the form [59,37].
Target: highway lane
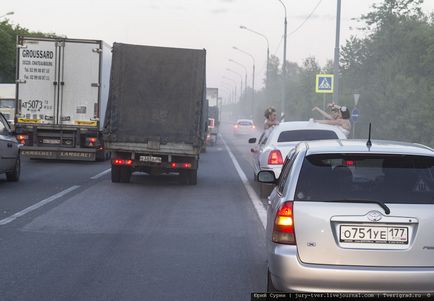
[151,239]
[43,178]
[241,149]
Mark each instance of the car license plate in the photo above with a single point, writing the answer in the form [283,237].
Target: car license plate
[150,159]
[374,234]
[51,141]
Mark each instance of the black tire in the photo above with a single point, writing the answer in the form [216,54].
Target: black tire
[192,175]
[14,176]
[188,177]
[270,286]
[116,174]
[125,174]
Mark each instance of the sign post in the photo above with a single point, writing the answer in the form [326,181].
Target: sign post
[324,84]
[355,113]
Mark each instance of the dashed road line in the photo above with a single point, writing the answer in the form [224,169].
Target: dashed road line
[101,174]
[37,205]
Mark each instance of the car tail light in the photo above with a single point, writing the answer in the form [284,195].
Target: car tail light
[275,158]
[91,141]
[122,162]
[22,138]
[349,162]
[236,126]
[283,230]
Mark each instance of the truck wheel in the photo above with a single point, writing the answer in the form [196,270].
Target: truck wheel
[188,177]
[191,176]
[125,174]
[116,174]
[14,176]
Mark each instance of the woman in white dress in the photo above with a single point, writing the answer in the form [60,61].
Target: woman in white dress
[340,117]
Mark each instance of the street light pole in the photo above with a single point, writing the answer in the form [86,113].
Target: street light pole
[229,92]
[7,14]
[253,77]
[268,51]
[284,62]
[245,74]
[241,80]
[235,86]
[336,58]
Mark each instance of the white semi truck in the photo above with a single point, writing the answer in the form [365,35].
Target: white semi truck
[62,92]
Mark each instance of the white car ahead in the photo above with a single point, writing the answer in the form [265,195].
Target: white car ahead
[275,143]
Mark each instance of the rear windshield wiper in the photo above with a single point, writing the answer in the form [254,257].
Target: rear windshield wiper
[381,204]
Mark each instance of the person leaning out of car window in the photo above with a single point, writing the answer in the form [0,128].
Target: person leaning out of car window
[340,116]
[270,118]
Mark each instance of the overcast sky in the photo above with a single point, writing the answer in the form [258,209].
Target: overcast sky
[210,24]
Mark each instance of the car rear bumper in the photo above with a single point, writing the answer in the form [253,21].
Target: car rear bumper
[289,274]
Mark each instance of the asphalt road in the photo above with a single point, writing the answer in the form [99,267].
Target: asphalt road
[86,238]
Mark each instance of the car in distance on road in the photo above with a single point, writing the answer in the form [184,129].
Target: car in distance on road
[244,127]
[10,163]
[351,216]
[276,142]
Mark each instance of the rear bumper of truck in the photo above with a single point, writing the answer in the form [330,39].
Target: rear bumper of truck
[59,153]
[176,149]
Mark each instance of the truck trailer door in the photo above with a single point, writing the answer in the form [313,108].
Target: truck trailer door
[80,73]
[37,81]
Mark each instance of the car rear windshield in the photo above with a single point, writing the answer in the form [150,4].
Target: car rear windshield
[385,178]
[305,135]
[245,123]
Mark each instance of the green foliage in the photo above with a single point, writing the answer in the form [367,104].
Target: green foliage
[392,70]
[8,38]
[391,67]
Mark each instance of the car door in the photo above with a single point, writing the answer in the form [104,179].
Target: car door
[8,145]
[256,151]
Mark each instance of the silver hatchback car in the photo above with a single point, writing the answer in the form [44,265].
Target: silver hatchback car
[347,216]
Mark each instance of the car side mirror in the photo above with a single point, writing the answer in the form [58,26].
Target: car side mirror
[266,176]
[252,140]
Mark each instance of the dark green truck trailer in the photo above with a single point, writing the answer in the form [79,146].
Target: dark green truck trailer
[156,115]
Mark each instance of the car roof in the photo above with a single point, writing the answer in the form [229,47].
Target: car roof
[305,125]
[245,120]
[360,146]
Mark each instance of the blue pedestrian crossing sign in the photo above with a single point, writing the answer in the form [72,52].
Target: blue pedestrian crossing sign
[324,83]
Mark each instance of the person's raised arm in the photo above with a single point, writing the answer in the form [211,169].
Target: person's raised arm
[325,114]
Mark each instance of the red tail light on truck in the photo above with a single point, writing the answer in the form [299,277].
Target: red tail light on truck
[122,162]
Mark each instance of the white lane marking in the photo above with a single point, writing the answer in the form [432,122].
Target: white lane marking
[262,214]
[37,205]
[101,174]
